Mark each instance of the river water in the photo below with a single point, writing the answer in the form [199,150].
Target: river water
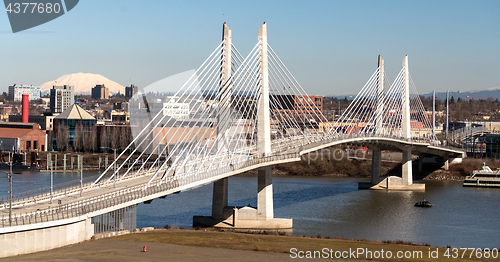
[460,217]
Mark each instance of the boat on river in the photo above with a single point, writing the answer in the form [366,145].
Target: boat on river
[423,203]
[483,178]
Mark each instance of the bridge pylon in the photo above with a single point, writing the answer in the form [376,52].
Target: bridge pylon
[220,190]
[380,97]
[261,217]
[405,182]
[263,112]
[405,124]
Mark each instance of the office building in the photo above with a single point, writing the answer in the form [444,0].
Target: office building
[296,105]
[175,109]
[61,98]
[16,92]
[17,137]
[131,90]
[70,119]
[100,92]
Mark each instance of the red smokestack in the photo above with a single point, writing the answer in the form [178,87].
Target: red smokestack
[26,107]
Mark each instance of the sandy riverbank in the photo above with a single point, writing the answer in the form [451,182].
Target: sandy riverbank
[200,245]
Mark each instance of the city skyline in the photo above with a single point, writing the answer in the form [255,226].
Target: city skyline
[331,47]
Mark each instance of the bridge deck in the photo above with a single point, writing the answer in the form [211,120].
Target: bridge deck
[104,197]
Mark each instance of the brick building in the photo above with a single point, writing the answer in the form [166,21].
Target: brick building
[22,137]
[296,105]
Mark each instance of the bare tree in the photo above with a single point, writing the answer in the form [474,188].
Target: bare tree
[90,140]
[103,139]
[78,137]
[62,137]
[114,138]
[50,140]
[125,137]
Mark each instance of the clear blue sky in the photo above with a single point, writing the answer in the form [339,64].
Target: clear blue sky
[331,47]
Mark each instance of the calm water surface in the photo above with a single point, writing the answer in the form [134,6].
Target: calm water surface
[333,207]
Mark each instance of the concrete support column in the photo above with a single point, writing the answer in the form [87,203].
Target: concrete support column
[446,163]
[55,161]
[407,167]
[220,198]
[376,165]
[64,162]
[235,216]
[265,209]
[263,114]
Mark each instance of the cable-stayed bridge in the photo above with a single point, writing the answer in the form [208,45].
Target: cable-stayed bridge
[235,114]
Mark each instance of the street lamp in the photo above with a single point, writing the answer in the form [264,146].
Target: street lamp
[114,163]
[51,182]
[81,175]
[10,193]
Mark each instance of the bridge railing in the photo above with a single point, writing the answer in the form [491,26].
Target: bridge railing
[128,194]
[60,189]
[253,160]
[123,196]
[39,193]
[344,136]
[461,133]
[84,206]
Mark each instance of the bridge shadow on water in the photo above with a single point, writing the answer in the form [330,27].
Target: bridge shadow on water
[304,193]
[427,169]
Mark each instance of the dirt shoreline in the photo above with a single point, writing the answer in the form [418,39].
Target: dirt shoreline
[212,245]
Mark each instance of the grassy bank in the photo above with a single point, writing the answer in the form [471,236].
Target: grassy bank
[284,244]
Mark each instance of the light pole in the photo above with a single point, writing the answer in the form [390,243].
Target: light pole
[51,182]
[81,175]
[10,194]
[114,164]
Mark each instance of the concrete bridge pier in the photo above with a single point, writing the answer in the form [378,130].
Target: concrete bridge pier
[244,217]
[265,210]
[220,198]
[407,172]
[376,165]
[446,163]
[405,182]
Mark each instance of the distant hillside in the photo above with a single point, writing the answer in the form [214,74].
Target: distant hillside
[478,95]
[83,82]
